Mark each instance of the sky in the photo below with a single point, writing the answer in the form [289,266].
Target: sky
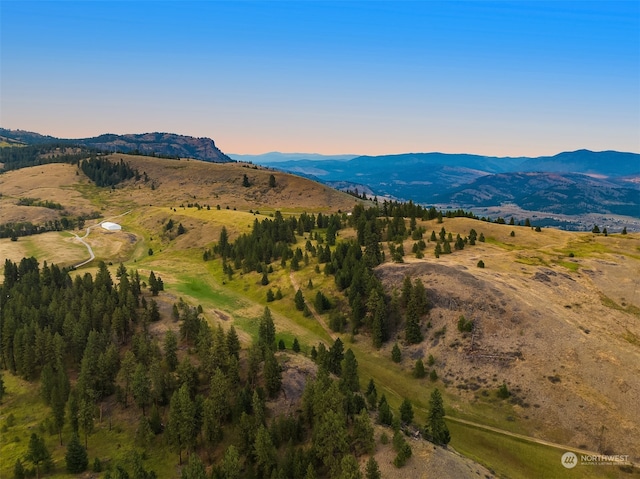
[491,78]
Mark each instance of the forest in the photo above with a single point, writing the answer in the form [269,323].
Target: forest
[85,343]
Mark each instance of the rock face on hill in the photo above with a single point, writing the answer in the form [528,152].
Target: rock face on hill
[159,144]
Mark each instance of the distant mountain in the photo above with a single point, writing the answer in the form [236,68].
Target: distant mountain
[161,144]
[561,193]
[277,157]
[607,163]
[575,182]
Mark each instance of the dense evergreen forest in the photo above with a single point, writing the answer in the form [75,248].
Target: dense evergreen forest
[86,341]
[106,173]
[15,158]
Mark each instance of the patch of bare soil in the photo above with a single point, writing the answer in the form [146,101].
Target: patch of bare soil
[426,461]
[566,357]
[296,371]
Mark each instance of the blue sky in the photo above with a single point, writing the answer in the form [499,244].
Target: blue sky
[495,78]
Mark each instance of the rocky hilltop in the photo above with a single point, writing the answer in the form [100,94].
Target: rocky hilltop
[159,144]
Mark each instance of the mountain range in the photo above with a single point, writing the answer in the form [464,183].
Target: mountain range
[579,182]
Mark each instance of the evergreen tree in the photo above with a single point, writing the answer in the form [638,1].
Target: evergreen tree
[296,345]
[144,433]
[76,457]
[396,355]
[233,343]
[372,394]
[299,300]
[2,388]
[372,470]
[58,403]
[194,469]
[436,427]
[349,380]
[18,470]
[231,463]
[171,350]
[418,370]
[349,468]
[272,374]
[264,452]
[406,411]
[385,416]
[362,440]
[181,427]
[141,387]
[267,331]
[37,453]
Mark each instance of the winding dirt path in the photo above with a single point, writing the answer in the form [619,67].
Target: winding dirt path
[92,256]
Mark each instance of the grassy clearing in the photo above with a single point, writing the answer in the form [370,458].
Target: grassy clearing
[514,458]
[610,303]
[571,266]
[112,441]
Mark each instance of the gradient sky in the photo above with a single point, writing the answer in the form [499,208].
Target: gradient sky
[494,78]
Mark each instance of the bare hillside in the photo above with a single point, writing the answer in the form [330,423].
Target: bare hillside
[562,332]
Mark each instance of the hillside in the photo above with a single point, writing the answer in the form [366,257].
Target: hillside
[555,314]
[160,144]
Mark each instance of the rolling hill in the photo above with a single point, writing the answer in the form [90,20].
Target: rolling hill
[555,312]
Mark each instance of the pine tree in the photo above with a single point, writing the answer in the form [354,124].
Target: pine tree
[272,374]
[171,350]
[181,427]
[231,463]
[349,380]
[349,468]
[296,345]
[385,416]
[372,470]
[267,331]
[195,468]
[396,355]
[299,300]
[418,370]
[37,453]
[18,470]
[436,426]
[264,452]
[233,343]
[406,411]
[76,457]
[141,387]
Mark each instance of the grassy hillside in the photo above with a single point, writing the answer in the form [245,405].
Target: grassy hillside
[557,314]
